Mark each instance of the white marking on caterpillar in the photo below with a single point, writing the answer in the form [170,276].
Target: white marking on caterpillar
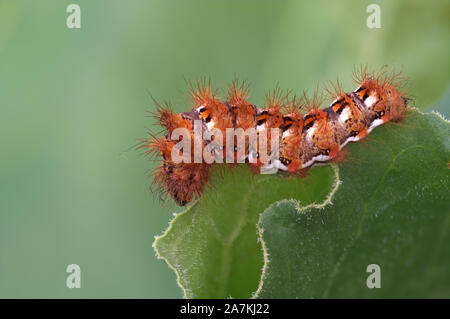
[279,165]
[286,134]
[318,158]
[308,163]
[310,132]
[321,158]
[199,108]
[350,139]
[370,101]
[260,127]
[345,115]
[374,124]
[210,125]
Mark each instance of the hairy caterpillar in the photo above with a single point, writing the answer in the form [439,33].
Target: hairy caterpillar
[302,139]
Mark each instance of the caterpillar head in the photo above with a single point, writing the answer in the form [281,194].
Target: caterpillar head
[181,181]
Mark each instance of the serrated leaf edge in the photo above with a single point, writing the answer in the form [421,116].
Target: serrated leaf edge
[185,290]
[300,209]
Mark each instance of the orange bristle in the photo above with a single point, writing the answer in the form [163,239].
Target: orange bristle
[277,99]
[238,93]
[201,93]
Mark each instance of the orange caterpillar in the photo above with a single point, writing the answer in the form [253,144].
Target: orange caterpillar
[317,136]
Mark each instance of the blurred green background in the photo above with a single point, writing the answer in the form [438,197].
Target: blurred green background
[73,100]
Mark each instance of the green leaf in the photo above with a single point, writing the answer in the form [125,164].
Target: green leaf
[213,246]
[387,204]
